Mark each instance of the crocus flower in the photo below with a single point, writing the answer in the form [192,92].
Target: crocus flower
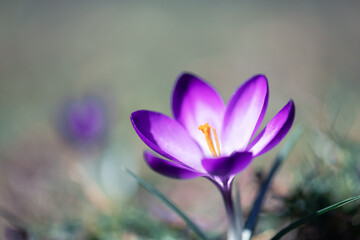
[208,139]
[15,233]
[84,121]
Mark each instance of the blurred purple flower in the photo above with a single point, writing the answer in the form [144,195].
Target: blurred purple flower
[14,233]
[84,121]
[192,149]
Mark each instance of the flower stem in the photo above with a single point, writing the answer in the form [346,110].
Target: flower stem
[235,222]
[233,232]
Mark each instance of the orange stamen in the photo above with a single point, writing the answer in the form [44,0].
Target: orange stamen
[217,142]
[206,130]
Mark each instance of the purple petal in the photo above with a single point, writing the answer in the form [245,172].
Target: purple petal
[195,103]
[167,137]
[169,168]
[244,114]
[274,131]
[227,166]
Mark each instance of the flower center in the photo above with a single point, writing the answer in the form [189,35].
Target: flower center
[206,130]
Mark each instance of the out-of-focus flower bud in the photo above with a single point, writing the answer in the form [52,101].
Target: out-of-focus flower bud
[15,233]
[84,122]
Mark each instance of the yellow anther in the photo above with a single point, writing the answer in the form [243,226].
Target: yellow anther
[206,130]
[217,142]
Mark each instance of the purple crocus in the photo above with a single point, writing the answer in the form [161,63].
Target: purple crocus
[15,233]
[84,121]
[208,139]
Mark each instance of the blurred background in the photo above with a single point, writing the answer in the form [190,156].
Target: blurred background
[71,72]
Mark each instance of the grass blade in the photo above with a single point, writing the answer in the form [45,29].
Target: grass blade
[283,154]
[168,203]
[308,218]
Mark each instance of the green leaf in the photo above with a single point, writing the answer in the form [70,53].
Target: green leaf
[168,203]
[282,155]
[308,218]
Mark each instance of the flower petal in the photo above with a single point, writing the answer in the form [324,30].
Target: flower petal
[167,137]
[274,131]
[169,168]
[244,114]
[195,103]
[227,166]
